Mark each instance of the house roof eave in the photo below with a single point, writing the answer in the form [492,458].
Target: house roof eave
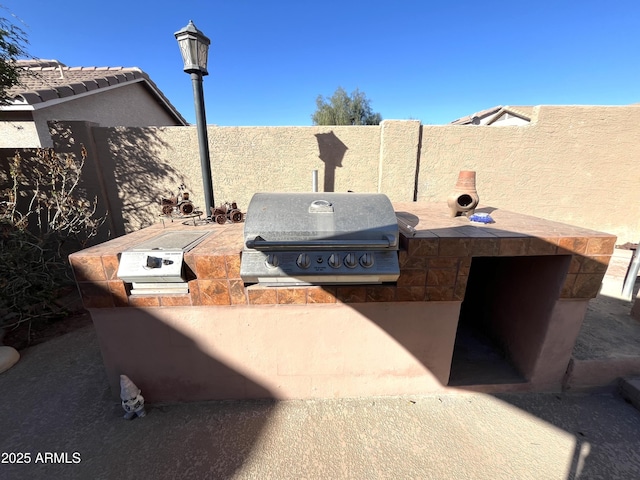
[83,81]
[510,111]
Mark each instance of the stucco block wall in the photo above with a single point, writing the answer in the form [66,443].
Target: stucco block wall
[16,134]
[142,165]
[246,160]
[577,165]
[139,166]
[399,150]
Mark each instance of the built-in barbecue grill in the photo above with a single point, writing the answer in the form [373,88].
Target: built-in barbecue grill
[319,239]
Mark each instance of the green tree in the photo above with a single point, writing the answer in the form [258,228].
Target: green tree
[12,47]
[345,109]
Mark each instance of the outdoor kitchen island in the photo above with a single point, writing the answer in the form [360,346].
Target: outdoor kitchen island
[525,283]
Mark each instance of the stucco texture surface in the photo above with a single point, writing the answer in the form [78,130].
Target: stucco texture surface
[18,134]
[572,164]
[576,165]
[244,160]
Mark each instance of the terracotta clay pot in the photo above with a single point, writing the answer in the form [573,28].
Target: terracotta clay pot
[464,199]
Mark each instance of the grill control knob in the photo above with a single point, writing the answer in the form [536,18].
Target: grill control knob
[303,261]
[366,260]
[350,260]
[272,261]
[334,260]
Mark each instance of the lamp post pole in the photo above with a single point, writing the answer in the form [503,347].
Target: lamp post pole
[194,48]
[203,142]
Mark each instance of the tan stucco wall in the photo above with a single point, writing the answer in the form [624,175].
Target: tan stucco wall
[18,134]
[573,164]
[399,149]
[149,163]
[577,165]
[246,160]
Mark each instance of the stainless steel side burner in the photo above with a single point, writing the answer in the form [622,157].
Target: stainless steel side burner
[320,238]
[156,265]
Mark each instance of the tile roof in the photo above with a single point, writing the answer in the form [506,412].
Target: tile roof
[46,80]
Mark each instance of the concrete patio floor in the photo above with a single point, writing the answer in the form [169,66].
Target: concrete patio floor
[608,346]
[56,400]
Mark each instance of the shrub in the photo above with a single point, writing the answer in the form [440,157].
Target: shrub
[43,218]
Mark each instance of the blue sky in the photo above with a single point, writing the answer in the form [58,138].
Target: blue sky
[433,61]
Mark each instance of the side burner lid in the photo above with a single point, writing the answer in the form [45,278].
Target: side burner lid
[159,259]
[183,241]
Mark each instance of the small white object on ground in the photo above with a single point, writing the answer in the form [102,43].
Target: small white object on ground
[9,356]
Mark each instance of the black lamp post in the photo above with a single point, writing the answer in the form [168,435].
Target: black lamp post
[194,47]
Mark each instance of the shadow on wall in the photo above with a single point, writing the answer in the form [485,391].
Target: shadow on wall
[332,152]
[125,169]
[134,156]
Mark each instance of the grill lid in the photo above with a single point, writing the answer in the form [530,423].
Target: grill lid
[277,221]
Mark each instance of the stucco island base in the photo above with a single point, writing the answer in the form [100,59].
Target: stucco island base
[279,351]
[522,282]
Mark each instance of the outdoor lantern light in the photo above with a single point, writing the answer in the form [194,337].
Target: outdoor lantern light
[194,47]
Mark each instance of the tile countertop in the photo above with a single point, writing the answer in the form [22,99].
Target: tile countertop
[434,263]
[433,220]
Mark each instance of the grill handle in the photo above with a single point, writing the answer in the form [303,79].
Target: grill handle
[259,243]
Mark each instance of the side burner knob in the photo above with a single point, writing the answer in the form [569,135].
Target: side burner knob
[272,261]
[366,260]
[303,261]
[351,260]
[334,260]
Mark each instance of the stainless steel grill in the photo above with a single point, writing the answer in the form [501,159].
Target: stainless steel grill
[319,239]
